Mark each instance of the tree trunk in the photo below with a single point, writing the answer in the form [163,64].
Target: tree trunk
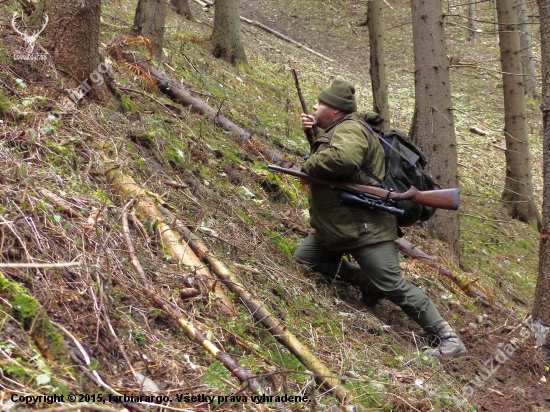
[72,39]
[495,17]
[518,186]
[149,21]
[226,36]
[433,124]
[378,61]
[541,307]
[183,9]
[527,57]
[472,27]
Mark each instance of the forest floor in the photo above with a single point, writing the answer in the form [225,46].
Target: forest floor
[218,187]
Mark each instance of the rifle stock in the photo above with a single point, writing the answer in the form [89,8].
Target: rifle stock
[441,199]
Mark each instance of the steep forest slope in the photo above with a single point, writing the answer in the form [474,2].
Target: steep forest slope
[100,328]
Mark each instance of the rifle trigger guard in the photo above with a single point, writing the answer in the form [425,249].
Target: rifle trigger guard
[391,189]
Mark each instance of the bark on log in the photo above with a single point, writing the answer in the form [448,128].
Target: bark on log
[179,95]
[180,251]
[59,202]
[272,324]
[409,249]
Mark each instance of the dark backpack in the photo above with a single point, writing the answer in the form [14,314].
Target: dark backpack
[404,168]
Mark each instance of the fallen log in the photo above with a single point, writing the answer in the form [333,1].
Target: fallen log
[179,251]
[261,313]
[192,332]
[469,289]
[179,95]
[285,38]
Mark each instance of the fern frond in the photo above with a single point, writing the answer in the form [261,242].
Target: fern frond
[143,76]
[117,46]
[122,44]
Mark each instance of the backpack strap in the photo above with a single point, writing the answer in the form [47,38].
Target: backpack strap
[372,176]
[364,169]
[412,160]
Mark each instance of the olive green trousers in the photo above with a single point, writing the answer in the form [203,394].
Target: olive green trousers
[378,268]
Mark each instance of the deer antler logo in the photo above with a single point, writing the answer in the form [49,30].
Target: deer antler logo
[30,40]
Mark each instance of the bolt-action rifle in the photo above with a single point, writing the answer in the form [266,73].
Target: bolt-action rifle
[441,198]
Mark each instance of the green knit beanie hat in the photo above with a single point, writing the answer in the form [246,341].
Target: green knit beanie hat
[340,95]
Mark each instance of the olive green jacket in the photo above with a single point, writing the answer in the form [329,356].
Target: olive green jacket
[339,153]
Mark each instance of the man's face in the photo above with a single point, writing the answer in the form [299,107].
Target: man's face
[325,115]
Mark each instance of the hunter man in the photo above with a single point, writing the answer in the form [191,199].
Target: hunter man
[344,147]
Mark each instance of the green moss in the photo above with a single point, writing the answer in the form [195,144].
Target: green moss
[5,58]
[175,157]
[17,372]
[281,243]
[24,308]
[289,362]
[64,151]
[126,105]
[370,396]
[244,215]
[5,104]
[228,154]
[28,311]
[34,372]
[214,373]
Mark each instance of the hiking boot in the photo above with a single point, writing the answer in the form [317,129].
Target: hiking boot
[447,341]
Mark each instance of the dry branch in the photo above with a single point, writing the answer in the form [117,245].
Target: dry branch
[285,38]
[39,265]
[180,251]
[59,202]
[177,185]
[410,250]
[192,332]
[92,375]
[179,95]
[257,308]
[205,3]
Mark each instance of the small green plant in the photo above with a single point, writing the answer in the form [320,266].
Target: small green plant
[6,347]
[139,337]
[100,195]
[95,365]
[21,84]
[45,375]
[51,126]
